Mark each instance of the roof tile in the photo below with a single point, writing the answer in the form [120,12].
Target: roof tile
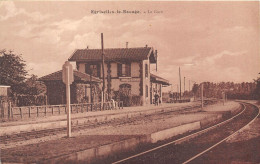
[112,54]
[78,76]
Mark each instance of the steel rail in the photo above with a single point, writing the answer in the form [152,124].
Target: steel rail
[203,152]
[183,138]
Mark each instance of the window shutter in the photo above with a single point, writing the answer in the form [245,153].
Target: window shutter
[119,70]
[130,69]
[87,69]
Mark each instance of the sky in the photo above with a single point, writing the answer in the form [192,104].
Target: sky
[209,41]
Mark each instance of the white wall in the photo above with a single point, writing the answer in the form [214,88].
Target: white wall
[113,69]
[81,67]
[135,70]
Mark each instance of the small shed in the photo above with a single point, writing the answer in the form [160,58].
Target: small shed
[84,89]
[4,93]
[4,90]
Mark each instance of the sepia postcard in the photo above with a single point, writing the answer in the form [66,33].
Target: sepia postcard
[130,82]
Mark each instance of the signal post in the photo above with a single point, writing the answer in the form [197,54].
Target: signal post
[68,78]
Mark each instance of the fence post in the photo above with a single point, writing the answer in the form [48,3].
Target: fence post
[52,110]
[37,108]
[9,109]
[71,109]
[21,114]
[45,111]
[82,108]
[121,105]
[77,109]
[59,109]
[29,110]
[87,107]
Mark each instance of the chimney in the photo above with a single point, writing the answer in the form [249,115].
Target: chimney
[146,46]
[126,44]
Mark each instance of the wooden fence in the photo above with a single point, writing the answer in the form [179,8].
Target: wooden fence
[50,110]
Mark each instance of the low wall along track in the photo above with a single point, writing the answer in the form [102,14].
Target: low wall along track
[90,125]
[190,149]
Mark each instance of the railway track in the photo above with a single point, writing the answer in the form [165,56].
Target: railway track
[51,132]
[188,148]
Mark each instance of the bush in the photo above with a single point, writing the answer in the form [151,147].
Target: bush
[136,100]
[30,100]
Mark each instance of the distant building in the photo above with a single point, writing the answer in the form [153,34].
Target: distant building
[127,72]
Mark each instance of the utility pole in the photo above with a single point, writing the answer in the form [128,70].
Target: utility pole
[223,97]
[156,59]
[184,86]
[103,73]
[177,91]
[201,96]
[91,98]
[180,80]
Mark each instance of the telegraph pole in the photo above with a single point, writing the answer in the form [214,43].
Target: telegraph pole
[103,73]
[180,80]
[156,59]
[201,96]
[184,86]
[177,91]
[223,97]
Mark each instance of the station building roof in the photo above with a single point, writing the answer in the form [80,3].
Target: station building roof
[160,80]
[114,54]
[78,76]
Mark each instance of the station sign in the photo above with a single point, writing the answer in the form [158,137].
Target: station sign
[67,77]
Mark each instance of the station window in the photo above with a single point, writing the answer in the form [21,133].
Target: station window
[93,69]
[124,69]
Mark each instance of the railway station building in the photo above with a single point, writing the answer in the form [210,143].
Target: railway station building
[127,72]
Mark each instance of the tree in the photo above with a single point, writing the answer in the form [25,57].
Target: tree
[257,89]
[33,86]
[195,88]
[13,72]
